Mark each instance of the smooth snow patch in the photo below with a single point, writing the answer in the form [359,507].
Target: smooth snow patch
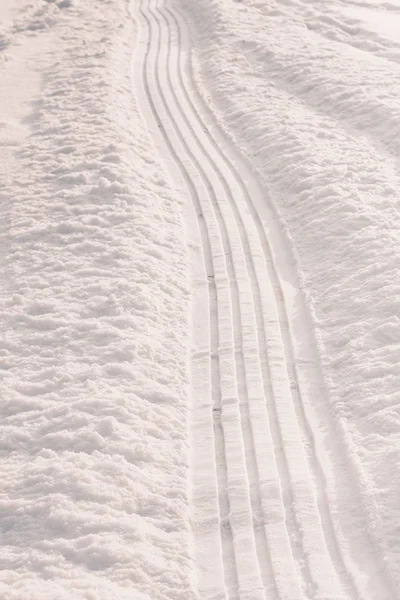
[386,23]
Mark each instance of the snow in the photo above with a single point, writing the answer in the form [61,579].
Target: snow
[93,319]
[199,300]
[383,22]
[311,95]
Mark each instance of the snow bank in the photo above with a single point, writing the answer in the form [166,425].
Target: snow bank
[311,94]
[93,322]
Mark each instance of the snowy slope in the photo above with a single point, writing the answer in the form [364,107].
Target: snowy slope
[93,319]
[311,92]
[199,300]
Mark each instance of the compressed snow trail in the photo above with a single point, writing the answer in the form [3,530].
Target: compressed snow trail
[262,523]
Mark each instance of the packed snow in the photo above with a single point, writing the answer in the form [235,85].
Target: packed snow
[311,93]
[199,300]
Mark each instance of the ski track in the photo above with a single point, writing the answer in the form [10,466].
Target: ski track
[262,521]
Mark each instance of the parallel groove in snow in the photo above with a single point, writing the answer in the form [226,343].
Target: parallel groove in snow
[265,456]
[240,513]
[288,345]
[195,188]
[227,366]
[265,476]
[191,181]
[245,242]
[256,407]
[239,316]
[332,542]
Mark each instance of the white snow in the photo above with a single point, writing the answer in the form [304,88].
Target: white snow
[311,95]
[378,20]
[93,321]
[199,300]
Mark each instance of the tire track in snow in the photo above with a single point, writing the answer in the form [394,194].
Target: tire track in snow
[236,247]
[242,320]
[239,510]
[245,240]
[356,580]
[254,417]
[240,517]
[245,557]
[344,572]
[266,458]
[156,114]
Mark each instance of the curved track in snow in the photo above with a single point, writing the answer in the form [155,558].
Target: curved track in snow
[262,521]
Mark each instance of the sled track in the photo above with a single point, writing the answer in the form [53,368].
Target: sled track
[262,522]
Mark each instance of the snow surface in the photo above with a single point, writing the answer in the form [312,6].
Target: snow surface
[310,92]
[93,320]
[280,120]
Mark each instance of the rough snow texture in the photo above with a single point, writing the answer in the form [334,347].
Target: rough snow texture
[93,321]
[311,92]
